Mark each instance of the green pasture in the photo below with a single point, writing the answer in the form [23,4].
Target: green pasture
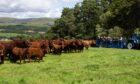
[8,35]
[93,66]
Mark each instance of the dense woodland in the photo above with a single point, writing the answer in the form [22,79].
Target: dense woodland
[92,18]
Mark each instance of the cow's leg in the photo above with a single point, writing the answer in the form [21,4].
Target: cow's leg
[29,58]
[35,58]
[40,58]
[23,59]
[0,59]
[20,58]
[60,51]
[13,58]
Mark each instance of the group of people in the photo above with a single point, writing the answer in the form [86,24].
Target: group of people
[110,42]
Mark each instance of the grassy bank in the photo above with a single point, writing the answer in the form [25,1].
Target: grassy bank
[93,66]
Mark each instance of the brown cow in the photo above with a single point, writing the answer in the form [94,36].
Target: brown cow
[34,52]
[43,44]
[34,44]
[21,43]
[80,45]
[19,53]
[92,42]
[86,43]
[2,50]
[56,46]
[73,46]
[67,44]
[8,48]
[56,49]
[14,43]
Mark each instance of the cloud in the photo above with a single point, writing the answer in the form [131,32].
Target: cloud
[34,8]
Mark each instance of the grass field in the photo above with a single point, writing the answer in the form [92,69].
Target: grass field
[8,35]
[93,66]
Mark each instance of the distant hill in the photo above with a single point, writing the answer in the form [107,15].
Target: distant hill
[46,21]
[12,27]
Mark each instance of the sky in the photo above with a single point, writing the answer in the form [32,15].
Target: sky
[34,8]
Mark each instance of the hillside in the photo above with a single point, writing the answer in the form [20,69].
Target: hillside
[48,21]
[31,27]
[93,66]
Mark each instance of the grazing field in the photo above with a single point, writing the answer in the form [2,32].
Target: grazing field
[93,66]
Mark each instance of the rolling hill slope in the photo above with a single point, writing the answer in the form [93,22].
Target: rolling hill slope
[48,21]
[31,26]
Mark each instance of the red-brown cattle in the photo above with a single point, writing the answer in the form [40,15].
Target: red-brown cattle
[34,44]
[56,49]
[56,46]
[18,53]
[73,46]
[21,43]
[2,51]
[80,45]
[86,43]
[34,52]
[92,42]
[43,44]
[14,43]
[58,42]
[8,49]
[67,44]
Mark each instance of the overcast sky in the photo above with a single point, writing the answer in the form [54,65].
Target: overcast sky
[34,8]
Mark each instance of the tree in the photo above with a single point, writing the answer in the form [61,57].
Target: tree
[137,31]
[100,31]
[64,26]
[115,32]
[123,13]
[78,22]
[86,14]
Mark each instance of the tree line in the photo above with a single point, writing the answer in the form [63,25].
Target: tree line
[92,18]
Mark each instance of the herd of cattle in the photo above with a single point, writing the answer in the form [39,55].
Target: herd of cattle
[36,49]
